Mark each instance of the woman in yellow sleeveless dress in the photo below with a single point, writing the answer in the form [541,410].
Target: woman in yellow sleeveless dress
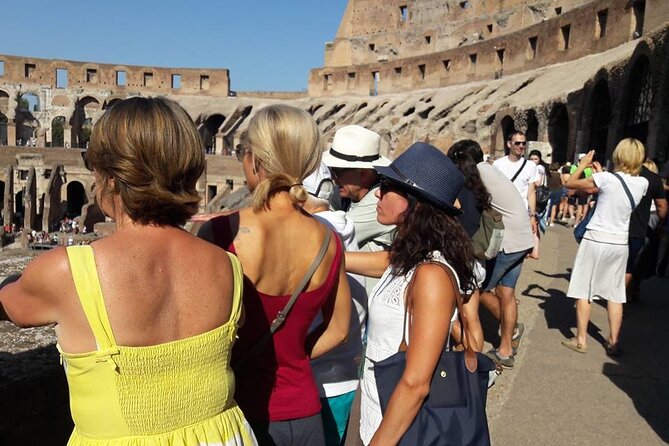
[146,317]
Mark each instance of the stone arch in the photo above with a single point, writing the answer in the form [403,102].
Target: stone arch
[82,120]
[600,117]
[558,132]
[27,124]
[532,127]
[637,105]
[3,129]
[19,208]
[57,131]
[4,102]
[507,126]
[208,130]
[76,198]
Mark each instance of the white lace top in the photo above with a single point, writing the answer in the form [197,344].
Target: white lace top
[384,335]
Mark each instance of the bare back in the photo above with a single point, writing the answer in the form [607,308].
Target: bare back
[277,247]
[159,285]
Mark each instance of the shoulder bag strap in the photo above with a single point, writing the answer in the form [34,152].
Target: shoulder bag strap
[471,362]
[627,191]
[281,315]
[519,170]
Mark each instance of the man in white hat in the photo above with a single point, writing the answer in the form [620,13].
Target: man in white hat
[355,150]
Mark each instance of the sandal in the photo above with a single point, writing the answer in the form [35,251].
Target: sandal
[612,349]
[573,344]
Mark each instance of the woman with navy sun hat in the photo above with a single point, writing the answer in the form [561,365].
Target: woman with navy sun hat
[418,194]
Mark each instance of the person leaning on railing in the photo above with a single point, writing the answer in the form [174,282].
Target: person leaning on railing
[146,317]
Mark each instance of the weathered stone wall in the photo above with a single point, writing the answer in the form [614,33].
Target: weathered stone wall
[138,79]
[373,30]
[534,36]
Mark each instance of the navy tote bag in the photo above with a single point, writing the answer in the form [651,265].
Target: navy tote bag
[453,414]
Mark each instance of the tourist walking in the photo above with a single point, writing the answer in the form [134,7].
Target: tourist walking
[557,193]
[148,363]
[474,199]
[541,199]
[599,267]
[503,271]
[417,193]
[522,173]
[277,242]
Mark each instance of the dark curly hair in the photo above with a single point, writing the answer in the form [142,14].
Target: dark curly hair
[460,154]
[424,227]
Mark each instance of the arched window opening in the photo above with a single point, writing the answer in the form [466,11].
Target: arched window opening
[27,124]
[640,101]
[601,118]
[507,127]
[532,132]
[82,120]
[558,132]
[57,132]
[76,198]
[208,131]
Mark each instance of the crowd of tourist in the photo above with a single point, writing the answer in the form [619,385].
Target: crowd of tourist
[272,325]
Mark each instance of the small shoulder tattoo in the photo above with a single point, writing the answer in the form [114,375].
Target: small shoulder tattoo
[243,230]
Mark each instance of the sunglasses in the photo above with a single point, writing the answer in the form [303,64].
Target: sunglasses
[337,172]
[520,143]
[387,185]
[240,151]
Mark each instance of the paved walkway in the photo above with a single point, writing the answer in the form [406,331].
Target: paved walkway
[555,396]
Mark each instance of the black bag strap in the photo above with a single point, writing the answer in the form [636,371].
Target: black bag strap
[471,362]
[627,191]
[283,314]
[519,170]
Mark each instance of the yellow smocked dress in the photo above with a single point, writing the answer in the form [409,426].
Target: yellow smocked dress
[178,393]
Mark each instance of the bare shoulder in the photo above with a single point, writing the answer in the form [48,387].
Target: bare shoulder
[430,277]
[50,267]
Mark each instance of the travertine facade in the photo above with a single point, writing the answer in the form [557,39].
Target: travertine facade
[394,46]
[572,74]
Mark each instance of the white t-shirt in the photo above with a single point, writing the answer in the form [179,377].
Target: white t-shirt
[613,207]
[529,174]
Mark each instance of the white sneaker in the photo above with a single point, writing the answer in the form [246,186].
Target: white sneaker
[492,377]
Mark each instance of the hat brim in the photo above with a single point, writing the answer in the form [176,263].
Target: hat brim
[389,173]
[338,163]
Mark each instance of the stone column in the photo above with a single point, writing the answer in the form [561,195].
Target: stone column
[219,144]
[67,135]
[41,138]
[8,199]
[11,133]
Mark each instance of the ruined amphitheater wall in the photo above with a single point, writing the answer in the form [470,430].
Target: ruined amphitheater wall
[592,27]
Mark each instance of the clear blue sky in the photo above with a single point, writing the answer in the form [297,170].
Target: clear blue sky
[266,44]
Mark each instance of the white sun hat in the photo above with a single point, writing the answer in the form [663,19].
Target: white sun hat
[355,147]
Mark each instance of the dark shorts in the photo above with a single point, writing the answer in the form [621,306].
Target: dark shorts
[303,431]
[556,196]
[571,200]
[635,245]
[582,199]
[504,270]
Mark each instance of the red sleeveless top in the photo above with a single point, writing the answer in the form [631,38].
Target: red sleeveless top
[277,383]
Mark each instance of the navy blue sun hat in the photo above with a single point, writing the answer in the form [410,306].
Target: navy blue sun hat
[429,173]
